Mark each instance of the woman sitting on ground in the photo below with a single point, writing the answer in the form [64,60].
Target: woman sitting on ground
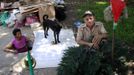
[19,43]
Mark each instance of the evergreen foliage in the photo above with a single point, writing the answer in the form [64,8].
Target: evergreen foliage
[81,61]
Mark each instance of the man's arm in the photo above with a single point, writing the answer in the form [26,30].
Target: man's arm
[79,39]
[98,38]
[82,42]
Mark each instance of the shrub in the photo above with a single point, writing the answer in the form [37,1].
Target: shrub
[79,61]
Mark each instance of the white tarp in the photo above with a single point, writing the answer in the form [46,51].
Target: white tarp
[48,55]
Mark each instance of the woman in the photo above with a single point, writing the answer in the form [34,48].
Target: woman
[19,43]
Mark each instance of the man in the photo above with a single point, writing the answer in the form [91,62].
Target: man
[108,14]
[91,32]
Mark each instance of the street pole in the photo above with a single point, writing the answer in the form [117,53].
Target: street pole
[113,39]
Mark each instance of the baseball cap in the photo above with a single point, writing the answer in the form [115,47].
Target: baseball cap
[88,13]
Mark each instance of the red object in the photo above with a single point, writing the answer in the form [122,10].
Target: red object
[31,19]
[117,8]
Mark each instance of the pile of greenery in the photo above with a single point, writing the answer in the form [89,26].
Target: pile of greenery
[80,61]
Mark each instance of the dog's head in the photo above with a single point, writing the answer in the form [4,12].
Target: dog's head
[45,17]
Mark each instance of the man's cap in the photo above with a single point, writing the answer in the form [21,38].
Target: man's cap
[88,13]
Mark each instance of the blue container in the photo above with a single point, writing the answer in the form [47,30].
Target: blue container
[77,23]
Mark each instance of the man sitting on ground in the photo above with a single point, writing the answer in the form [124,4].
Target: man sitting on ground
[91,32]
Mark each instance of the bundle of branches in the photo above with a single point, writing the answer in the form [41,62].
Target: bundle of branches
[81,61]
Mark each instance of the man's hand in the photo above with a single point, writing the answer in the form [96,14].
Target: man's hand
[90,44]
[96,41]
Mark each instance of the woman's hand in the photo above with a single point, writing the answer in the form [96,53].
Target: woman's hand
[11,51]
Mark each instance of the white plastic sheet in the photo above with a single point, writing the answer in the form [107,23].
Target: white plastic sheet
[48,55]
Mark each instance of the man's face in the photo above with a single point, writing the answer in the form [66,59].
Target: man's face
[89,20]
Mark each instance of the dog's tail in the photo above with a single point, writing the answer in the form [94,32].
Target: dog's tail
[45,17]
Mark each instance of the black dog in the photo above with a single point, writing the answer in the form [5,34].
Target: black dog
[54,25]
